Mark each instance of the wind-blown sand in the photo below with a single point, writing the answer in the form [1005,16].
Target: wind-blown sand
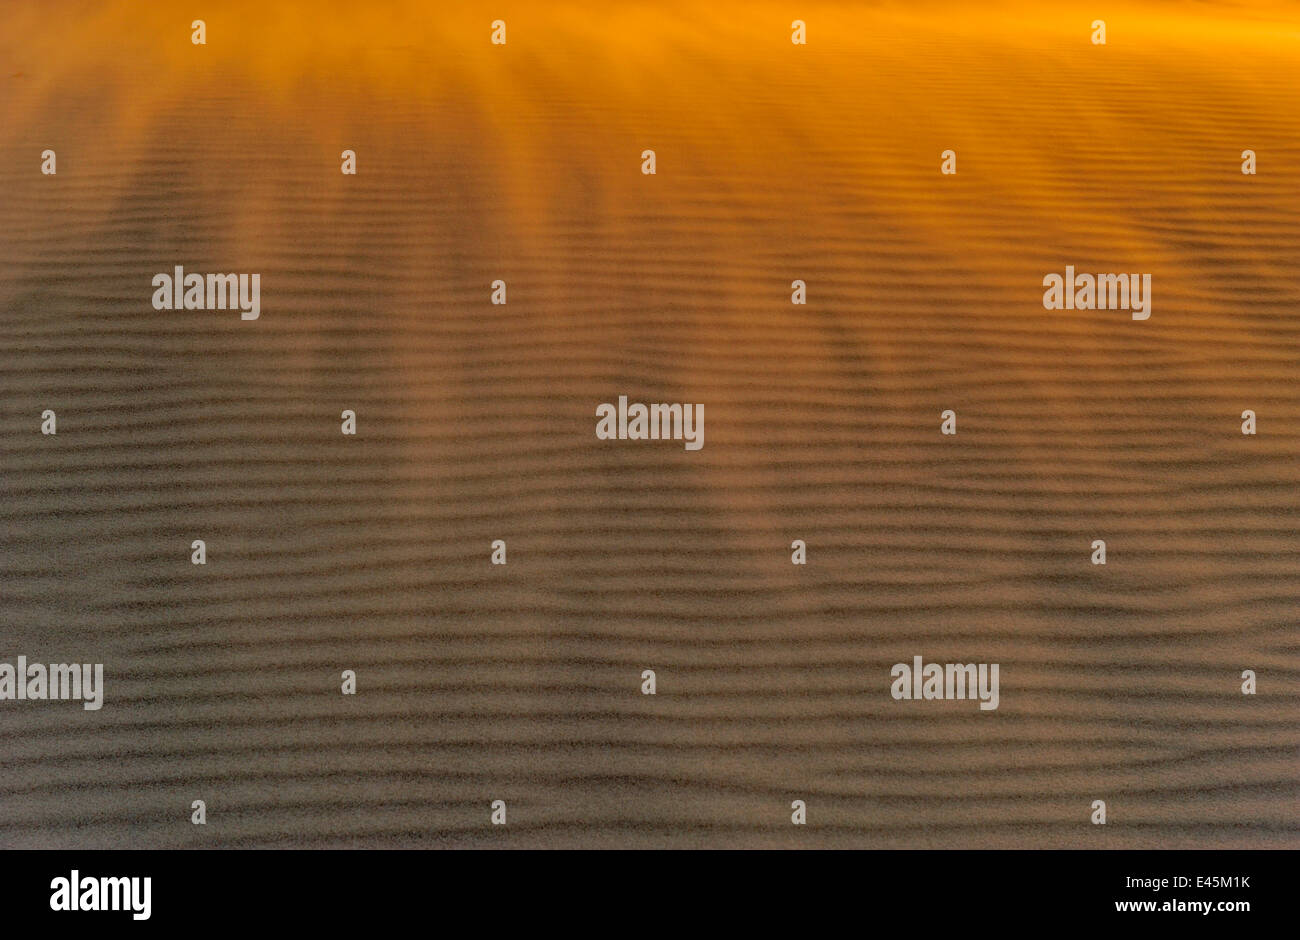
[476,422]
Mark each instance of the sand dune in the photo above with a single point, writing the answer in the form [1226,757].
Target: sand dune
[476,422]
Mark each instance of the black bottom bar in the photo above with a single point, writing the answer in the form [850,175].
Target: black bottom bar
[646,893]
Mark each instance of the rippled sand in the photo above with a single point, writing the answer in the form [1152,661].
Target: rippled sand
[476,422]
